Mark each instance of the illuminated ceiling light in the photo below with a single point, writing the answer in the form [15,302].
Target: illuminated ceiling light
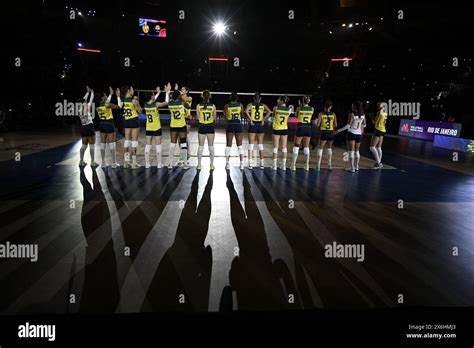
[343,24]
[350,25]
[219,28]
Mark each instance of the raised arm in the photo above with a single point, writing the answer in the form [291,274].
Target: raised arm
[119,101]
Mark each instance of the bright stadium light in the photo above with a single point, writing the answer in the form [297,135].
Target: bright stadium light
[219,28]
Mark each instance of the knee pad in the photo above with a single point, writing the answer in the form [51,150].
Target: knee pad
[211,148]
[112,146]
[127,143]
[184,146]
[158,148]
[306,150]
[251,147]
[200,148]
[134,143]
[329,151]
[296,149]
[320,152]
[260,147]
[351,154]
[284,150]
[372,148]
[83,147]
[275,150]
[102,146]
[357,154]
[91,146]
[240,149]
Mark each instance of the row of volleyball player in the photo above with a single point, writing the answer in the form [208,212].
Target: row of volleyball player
[179,102]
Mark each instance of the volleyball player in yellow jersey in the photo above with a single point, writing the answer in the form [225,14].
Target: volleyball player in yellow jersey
[178,128]
[189,100]
[304,113]
[234,113]
[107,127]
[377,137]
[281,112]
[131,108]
[327,123]
[153,124]
[257,113]
[206,113]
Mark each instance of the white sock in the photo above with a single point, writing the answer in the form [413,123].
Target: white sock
[134,159]
[320,157]
[375,153]
[171,153]
[351,160]
[147,153]
[250,153]
[240,150]
[295,155]
[306,155]
[379,150]
[227,154]
[211,154]
[184,153]
[158,153]
[82,151]
[357,159]
[92,152]
[329,151]
[113,152]
[102,151]
[200,151]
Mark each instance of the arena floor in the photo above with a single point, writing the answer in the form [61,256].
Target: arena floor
[237,240]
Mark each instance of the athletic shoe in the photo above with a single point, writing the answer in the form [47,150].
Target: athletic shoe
[212,167]
[318,169]
[159,166]
[185,166]
[306,167]
[357,168]
[376,166]
[147,165]
[114,165]
[227,166]
[103,165]
[82,164]
[241,165]
[126,165]
[198,167]
[293,168]
[262,164]
[283,167]
[94,164]
[380,165]
[135,166]
[330,167]
[274,167]
[179,163]
[170,166]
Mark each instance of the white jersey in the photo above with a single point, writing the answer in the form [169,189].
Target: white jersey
[356,124]
[85,117]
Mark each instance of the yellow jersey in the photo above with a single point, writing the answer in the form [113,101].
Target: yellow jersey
[205,113]
[178,114]
[280,119]
[153,122]
[233,111]
[327,121]
[382,120]
[188,111]
[129,109]
[105,113]
[305,114]
[256,115]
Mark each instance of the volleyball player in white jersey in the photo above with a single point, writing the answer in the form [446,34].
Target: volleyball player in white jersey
[87,129]
[354,127]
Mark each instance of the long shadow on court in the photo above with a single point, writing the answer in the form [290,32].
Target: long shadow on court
[253,276]
[182,280]
[100,292]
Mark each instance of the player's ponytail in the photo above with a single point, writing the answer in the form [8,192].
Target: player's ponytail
[234,97]
[176,94]
[256,99]
[206,95]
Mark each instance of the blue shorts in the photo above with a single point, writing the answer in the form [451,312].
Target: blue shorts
[256,128]
[206,129]
[156,133]
[378,133]
[182,129]
[132,123]
[280,132]
[303,131]
[327,135]
[354,137]
[88,131]
[234,127]
[106,127]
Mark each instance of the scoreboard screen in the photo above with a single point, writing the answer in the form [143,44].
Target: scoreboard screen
[152,27]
